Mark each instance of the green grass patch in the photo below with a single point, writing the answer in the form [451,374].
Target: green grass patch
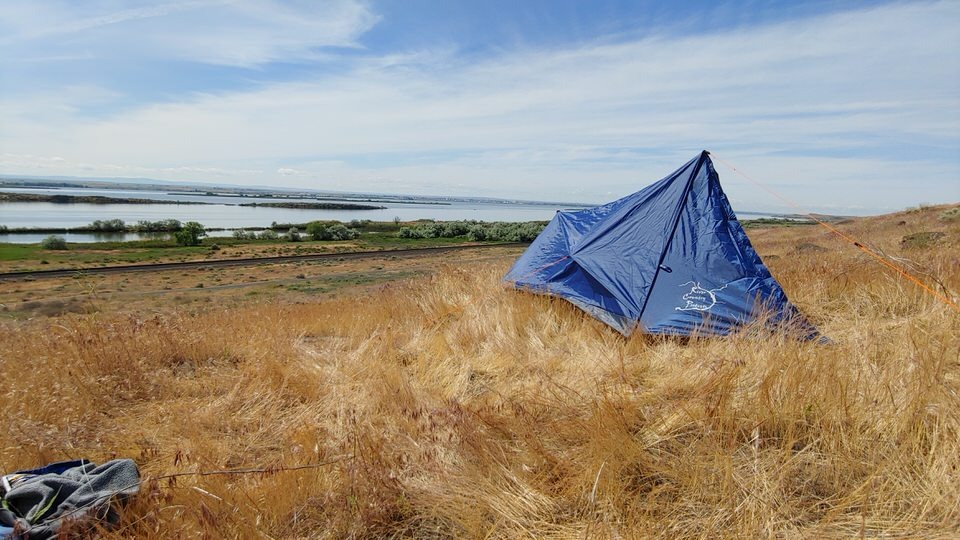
[952,214]
[921,240]
[20,252]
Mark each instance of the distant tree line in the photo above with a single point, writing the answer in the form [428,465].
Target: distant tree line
[191,233]
[143,226]
[164,225]
[316,230]
[108,225]
[357,224]
[476,231]
[267,234]
[186,234]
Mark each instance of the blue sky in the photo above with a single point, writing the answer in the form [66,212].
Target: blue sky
[842,106]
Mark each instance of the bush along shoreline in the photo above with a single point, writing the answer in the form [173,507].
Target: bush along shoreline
[186,234]
[476,231]
[103,226]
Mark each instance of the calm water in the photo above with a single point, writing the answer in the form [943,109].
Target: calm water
[193,197]
[225,213]
[215,215]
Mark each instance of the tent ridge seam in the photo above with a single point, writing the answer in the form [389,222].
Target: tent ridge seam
[673,232]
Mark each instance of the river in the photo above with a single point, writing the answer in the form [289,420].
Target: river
[224,212]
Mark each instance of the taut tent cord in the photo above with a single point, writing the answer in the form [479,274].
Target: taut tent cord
[880,258]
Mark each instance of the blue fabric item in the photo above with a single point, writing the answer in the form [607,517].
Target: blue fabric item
[56,468]
[66,498]
[669,259]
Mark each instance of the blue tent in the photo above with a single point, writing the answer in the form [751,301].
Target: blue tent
[669,259]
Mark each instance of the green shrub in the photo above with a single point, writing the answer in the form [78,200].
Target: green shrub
[455,228]
[53,242]
[164,225]
[339,231]
[268,234]
[411,232]
[920,240]
[190,234]
[241,234]
[317,230]
[320,230]
[293,235]
[109,225]
[475,231]
[529,231]
[952,214]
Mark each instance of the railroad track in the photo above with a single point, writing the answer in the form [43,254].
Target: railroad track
[249,261]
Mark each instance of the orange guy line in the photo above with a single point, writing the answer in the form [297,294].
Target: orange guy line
[834,230]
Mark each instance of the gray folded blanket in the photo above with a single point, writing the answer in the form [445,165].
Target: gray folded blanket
[40,500]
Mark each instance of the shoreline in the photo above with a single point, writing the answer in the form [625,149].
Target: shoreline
[378,225]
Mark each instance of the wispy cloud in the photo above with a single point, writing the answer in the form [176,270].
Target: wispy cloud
[57,166]
[224,32]
[834,110]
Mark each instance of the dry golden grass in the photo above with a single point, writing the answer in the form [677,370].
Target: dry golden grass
[453,406]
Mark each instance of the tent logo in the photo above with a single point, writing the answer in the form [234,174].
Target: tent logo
[699,299]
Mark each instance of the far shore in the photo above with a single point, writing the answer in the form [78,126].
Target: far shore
[81,199]
[316,206]
[99,199]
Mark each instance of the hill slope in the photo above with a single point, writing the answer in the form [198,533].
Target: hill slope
[452,406]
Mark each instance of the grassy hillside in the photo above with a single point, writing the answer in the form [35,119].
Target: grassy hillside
[452,406]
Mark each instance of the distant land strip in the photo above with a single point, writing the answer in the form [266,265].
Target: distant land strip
[98,199]
[250,261]
[403,200]
[316,206]
[84,199]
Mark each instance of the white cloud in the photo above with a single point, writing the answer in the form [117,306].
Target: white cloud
[225,32]
[820,108]
[58,166]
